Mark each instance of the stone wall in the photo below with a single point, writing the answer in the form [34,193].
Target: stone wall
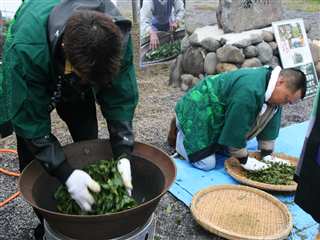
[208,51]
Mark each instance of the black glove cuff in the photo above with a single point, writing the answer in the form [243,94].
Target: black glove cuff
[122,152]
[5,130]
[63,171]
[265,152]
[121,137]
[243,160]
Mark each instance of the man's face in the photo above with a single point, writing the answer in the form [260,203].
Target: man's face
[282,95]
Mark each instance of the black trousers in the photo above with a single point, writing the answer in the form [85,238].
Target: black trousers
[80,117]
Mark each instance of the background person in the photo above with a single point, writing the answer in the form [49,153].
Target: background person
[160,15]
[307,174]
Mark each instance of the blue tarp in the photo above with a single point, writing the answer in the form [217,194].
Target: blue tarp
[190,180]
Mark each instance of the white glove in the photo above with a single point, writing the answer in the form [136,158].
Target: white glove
[124,169]
[78,184]
[253,164]
[273,159]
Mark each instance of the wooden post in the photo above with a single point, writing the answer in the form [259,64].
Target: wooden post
[135,10]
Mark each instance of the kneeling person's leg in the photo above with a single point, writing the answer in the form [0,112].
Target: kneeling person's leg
[206,164]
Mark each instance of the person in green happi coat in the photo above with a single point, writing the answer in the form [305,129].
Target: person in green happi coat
[224,111]
[67,55]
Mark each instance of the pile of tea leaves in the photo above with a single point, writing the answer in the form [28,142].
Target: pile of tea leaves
[277,173]
[113,196]
[163,51]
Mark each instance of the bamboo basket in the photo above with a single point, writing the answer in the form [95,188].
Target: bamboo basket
[242,213]
[233,167]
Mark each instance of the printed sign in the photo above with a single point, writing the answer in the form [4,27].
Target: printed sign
[294,50]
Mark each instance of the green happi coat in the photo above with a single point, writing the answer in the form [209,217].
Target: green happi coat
[29,74]
[222,109]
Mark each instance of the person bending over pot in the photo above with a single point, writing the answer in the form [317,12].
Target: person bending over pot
[66,55]
[226,110]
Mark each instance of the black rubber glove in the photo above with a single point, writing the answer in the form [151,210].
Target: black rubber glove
[5,130]
[121,138]
[265,152]
[49,153]
[243,160]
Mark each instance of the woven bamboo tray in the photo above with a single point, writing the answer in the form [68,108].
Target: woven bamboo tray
[235,170]
[242,213]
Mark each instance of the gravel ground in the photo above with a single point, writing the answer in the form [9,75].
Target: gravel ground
[153,115]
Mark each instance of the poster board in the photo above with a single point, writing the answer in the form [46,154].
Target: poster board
[294,50]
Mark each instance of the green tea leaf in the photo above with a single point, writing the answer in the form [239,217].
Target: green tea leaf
[164,51]
[278,173]
[113,196]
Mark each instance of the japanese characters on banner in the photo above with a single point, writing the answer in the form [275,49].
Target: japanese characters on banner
[294,50]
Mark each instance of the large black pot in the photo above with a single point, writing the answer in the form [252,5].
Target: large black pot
[152,170]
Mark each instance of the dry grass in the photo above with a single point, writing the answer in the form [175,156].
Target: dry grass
[205,8]
[302,5]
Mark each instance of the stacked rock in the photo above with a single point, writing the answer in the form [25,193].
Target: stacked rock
[209,51]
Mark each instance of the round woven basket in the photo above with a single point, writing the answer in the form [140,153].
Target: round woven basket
[242,213]
[235,170]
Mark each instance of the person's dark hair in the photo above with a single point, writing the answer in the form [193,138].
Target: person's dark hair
[296,80]
[92,44]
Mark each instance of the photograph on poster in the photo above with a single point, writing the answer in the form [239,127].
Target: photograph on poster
[292,34]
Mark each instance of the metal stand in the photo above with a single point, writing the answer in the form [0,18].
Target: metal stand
[146,232]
